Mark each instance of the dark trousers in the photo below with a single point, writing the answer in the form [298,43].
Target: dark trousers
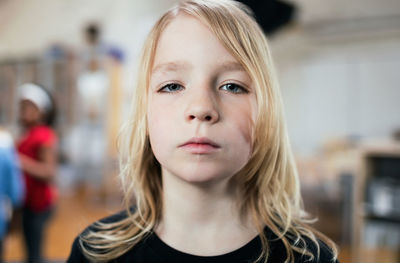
[34,224]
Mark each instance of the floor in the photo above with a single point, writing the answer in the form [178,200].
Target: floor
[72,215]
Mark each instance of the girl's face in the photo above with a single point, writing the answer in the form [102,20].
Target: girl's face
[29,113]
[202,105]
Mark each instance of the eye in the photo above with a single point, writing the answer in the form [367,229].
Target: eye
[171,87]
[234,88]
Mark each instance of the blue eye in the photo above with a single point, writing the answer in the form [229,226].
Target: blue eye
[171,87]
[234,88]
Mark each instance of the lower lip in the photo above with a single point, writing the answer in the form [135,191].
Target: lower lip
[199,148]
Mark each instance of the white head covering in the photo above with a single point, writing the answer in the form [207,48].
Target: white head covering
[37,95]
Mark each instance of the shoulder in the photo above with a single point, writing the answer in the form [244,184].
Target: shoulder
[76,254]
[44,130]
[322,252]
[109,219]
[45,134]
[326,253]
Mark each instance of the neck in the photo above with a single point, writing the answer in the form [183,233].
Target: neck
[202,219]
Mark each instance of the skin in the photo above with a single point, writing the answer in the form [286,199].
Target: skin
[199,90]
[45,167]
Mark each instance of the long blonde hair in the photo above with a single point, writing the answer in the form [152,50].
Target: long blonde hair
[269,181]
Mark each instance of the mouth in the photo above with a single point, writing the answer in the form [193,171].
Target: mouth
[201,145]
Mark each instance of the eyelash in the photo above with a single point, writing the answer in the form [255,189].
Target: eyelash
[236,86]
[162,90]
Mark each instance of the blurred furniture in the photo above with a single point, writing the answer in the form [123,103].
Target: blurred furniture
[376,222]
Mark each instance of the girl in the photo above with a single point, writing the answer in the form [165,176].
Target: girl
[37,149]
[208,158]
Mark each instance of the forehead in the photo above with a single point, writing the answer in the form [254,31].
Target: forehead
[26,102]
[185,39]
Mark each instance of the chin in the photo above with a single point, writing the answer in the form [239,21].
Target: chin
[203,175]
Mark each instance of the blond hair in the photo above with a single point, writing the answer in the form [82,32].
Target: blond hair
[269,181]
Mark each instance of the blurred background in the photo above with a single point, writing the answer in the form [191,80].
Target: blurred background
[338,63]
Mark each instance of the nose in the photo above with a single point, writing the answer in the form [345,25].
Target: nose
[202,107]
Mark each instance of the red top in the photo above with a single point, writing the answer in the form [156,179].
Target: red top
[40,194]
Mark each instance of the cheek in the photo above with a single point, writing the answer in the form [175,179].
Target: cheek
[155,124]
[38,115]
[34,114]
[244,119]
[159,125]
[29,114]
[244,144]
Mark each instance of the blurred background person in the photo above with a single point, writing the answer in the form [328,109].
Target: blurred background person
[37,148]
[91,138]
[89,142]
[11,184]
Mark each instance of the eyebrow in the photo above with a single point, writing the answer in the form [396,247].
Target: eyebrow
[171,66]
[232,66]
[182,65]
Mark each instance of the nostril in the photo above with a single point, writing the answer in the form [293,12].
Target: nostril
[201,118]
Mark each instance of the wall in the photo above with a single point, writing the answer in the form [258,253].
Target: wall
[338,88]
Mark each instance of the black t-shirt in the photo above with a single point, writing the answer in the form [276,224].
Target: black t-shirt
[153,250]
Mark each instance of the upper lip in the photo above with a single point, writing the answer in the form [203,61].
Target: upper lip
[201,140]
